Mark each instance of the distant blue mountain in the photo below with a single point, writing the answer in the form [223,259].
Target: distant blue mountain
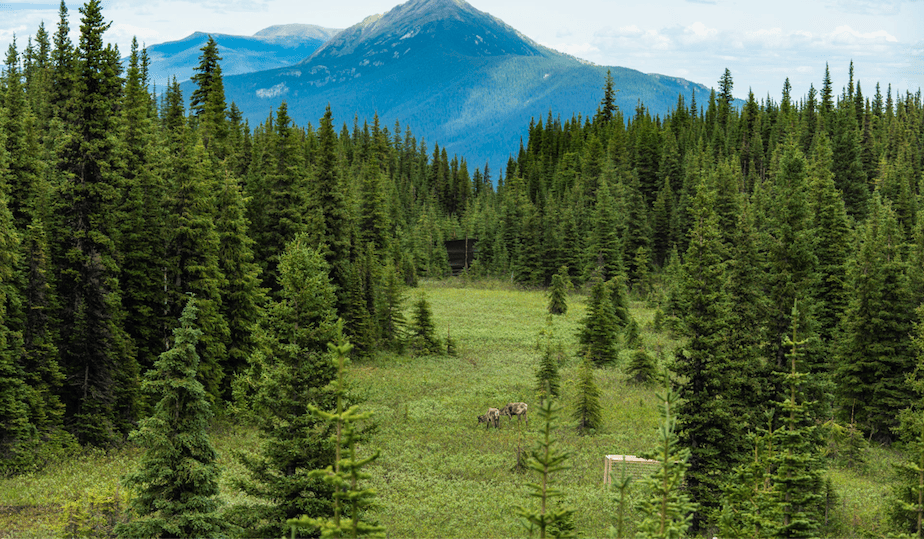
[455,75]
[269,48]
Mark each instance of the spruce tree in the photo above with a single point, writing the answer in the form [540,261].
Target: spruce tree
[278,185]
[608,108]
[390,312]
[192,253]
[143,226]
[329,224]
[604,252]
[709,422]
[207,102]
[20,439]
[750,501]
[290,369]
[558,292]
[176,483]
[21,174]
[832,239]
[62,70]
[792,263]
[849,175]
[667,511]
[350,501]
[587,409]
[550,520]
[422,331]
[875,351]
[642,368]
[907,508]
[597,335]
[40,357]
[242,298]
[548,380]
[746,322]
[798,475]
[101,393]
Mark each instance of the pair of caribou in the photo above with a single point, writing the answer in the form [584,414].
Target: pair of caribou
[512,409]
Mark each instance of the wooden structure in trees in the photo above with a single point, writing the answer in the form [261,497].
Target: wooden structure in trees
[633,465]
[461,254]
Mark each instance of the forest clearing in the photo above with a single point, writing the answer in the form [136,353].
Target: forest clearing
[441,474]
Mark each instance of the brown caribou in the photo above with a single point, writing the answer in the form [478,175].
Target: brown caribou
[516,409]
[491,418]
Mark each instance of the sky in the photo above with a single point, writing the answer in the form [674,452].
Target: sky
[761,42]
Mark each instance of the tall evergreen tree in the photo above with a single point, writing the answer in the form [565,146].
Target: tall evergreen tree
[102,375]
[290,369]
[350,501]
[20,439]
[709,424]
[604,252]
[907,511]
[207,102]
[597,335]
[666,509]
[798,475]
[279,190]
[849,175]
[587,409]
[832,239]
[330,225]
[608,108]
[24,167]
[545,459]
[192,254]
[242,298]
[558,292]
[792,262]
[875,352]
[143,234]
[63,59]
[176,482]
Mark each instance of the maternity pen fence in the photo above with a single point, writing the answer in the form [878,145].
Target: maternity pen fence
[629,465]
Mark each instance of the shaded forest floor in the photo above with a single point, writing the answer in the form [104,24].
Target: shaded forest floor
[441,474]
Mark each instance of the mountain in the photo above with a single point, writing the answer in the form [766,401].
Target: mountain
[455,75]
[269,48]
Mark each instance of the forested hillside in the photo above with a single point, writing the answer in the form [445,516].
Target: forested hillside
[782,242]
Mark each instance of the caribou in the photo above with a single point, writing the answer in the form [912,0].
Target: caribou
[491,418]
[516,409]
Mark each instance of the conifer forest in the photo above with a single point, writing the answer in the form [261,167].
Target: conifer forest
[165,264]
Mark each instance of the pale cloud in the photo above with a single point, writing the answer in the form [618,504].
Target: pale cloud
[868,7]
[761,57]
[24,6]
[845,36]
[698,32]
[215,6]
[7,34]
[123,33]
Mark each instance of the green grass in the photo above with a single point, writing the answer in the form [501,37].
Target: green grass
[440,473]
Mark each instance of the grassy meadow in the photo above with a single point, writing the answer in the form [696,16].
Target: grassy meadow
[441,474]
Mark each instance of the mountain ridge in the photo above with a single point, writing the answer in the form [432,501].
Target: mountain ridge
[272,47]
[455,75]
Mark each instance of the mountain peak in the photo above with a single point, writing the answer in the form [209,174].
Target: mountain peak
[309,31]
[418,26]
